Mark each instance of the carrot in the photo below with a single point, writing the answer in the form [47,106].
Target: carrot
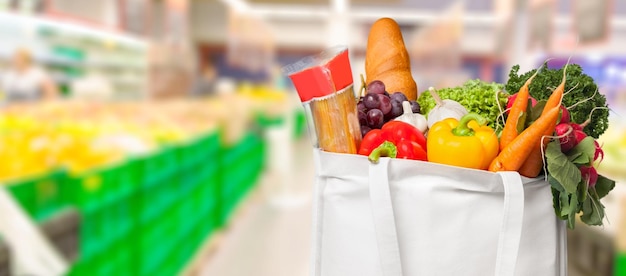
[534,163]
[509,132]
[516,152]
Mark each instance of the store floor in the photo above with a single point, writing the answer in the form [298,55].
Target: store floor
[270,233]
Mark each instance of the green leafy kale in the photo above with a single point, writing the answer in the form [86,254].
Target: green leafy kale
[582,86]
[475,95]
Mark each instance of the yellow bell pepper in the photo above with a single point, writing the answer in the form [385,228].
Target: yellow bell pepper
[467,143]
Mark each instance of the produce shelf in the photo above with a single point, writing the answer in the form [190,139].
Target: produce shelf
[149,214]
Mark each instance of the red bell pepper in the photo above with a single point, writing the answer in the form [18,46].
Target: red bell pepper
[372,140]
[408,149]
[405,141]
[399,131]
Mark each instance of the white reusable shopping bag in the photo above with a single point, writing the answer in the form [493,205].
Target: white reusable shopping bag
[404,217]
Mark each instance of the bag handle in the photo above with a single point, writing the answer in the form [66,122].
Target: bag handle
[384,220]
[387,235]
[512,221]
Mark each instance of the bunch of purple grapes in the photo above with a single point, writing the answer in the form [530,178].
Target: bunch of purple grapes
[378,107]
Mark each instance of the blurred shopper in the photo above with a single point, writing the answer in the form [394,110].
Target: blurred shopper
[26,81]
[205,84]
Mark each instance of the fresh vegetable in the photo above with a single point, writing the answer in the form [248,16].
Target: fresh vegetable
[575,183]
[534,163]
[444,109]
[599,153]
[567,137]
[565,117]
[398,131]
[408,141]
[580,135]
[589,175]
[387,60]
[517,115]
[486,99]
[467,143]
[372,140]
[511,100]
[582,98]
[408,149]
[386,149]
[404,149]
[516,152]
[415,119]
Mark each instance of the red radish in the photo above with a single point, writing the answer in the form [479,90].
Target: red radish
[577,127]
[589,174]
[599,152]
[580,135]
[512,98]
[565,117]
[566,135]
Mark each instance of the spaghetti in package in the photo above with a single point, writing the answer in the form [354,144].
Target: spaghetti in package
[325,86]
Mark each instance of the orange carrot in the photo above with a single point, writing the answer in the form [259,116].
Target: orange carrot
[516,152]
[509,132]
[534,163]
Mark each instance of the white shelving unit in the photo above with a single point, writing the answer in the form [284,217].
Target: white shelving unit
[70,52]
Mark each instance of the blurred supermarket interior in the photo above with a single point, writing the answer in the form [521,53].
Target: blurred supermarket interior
[160,137]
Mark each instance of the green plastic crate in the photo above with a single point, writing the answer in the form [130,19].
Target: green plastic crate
[40,196]
[620,264]
[190,178]
[198,151]
[121,255]
[148,246]
[102,229]
[85,266]
[233,154]
[160,165]
[122,218]
[95,188]
[187,215]
[299,127]
[92,233]
[239,178]
[157,239]
[153,201]
[90,266]
[267,121]
[130,176]
[24,194]
[207,199]
[168,268]
[108,268]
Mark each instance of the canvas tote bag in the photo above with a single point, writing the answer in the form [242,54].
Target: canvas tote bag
[404,217]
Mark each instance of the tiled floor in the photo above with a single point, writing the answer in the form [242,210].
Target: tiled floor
[270,235]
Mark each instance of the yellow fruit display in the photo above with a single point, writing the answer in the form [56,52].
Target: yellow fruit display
[79,136]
